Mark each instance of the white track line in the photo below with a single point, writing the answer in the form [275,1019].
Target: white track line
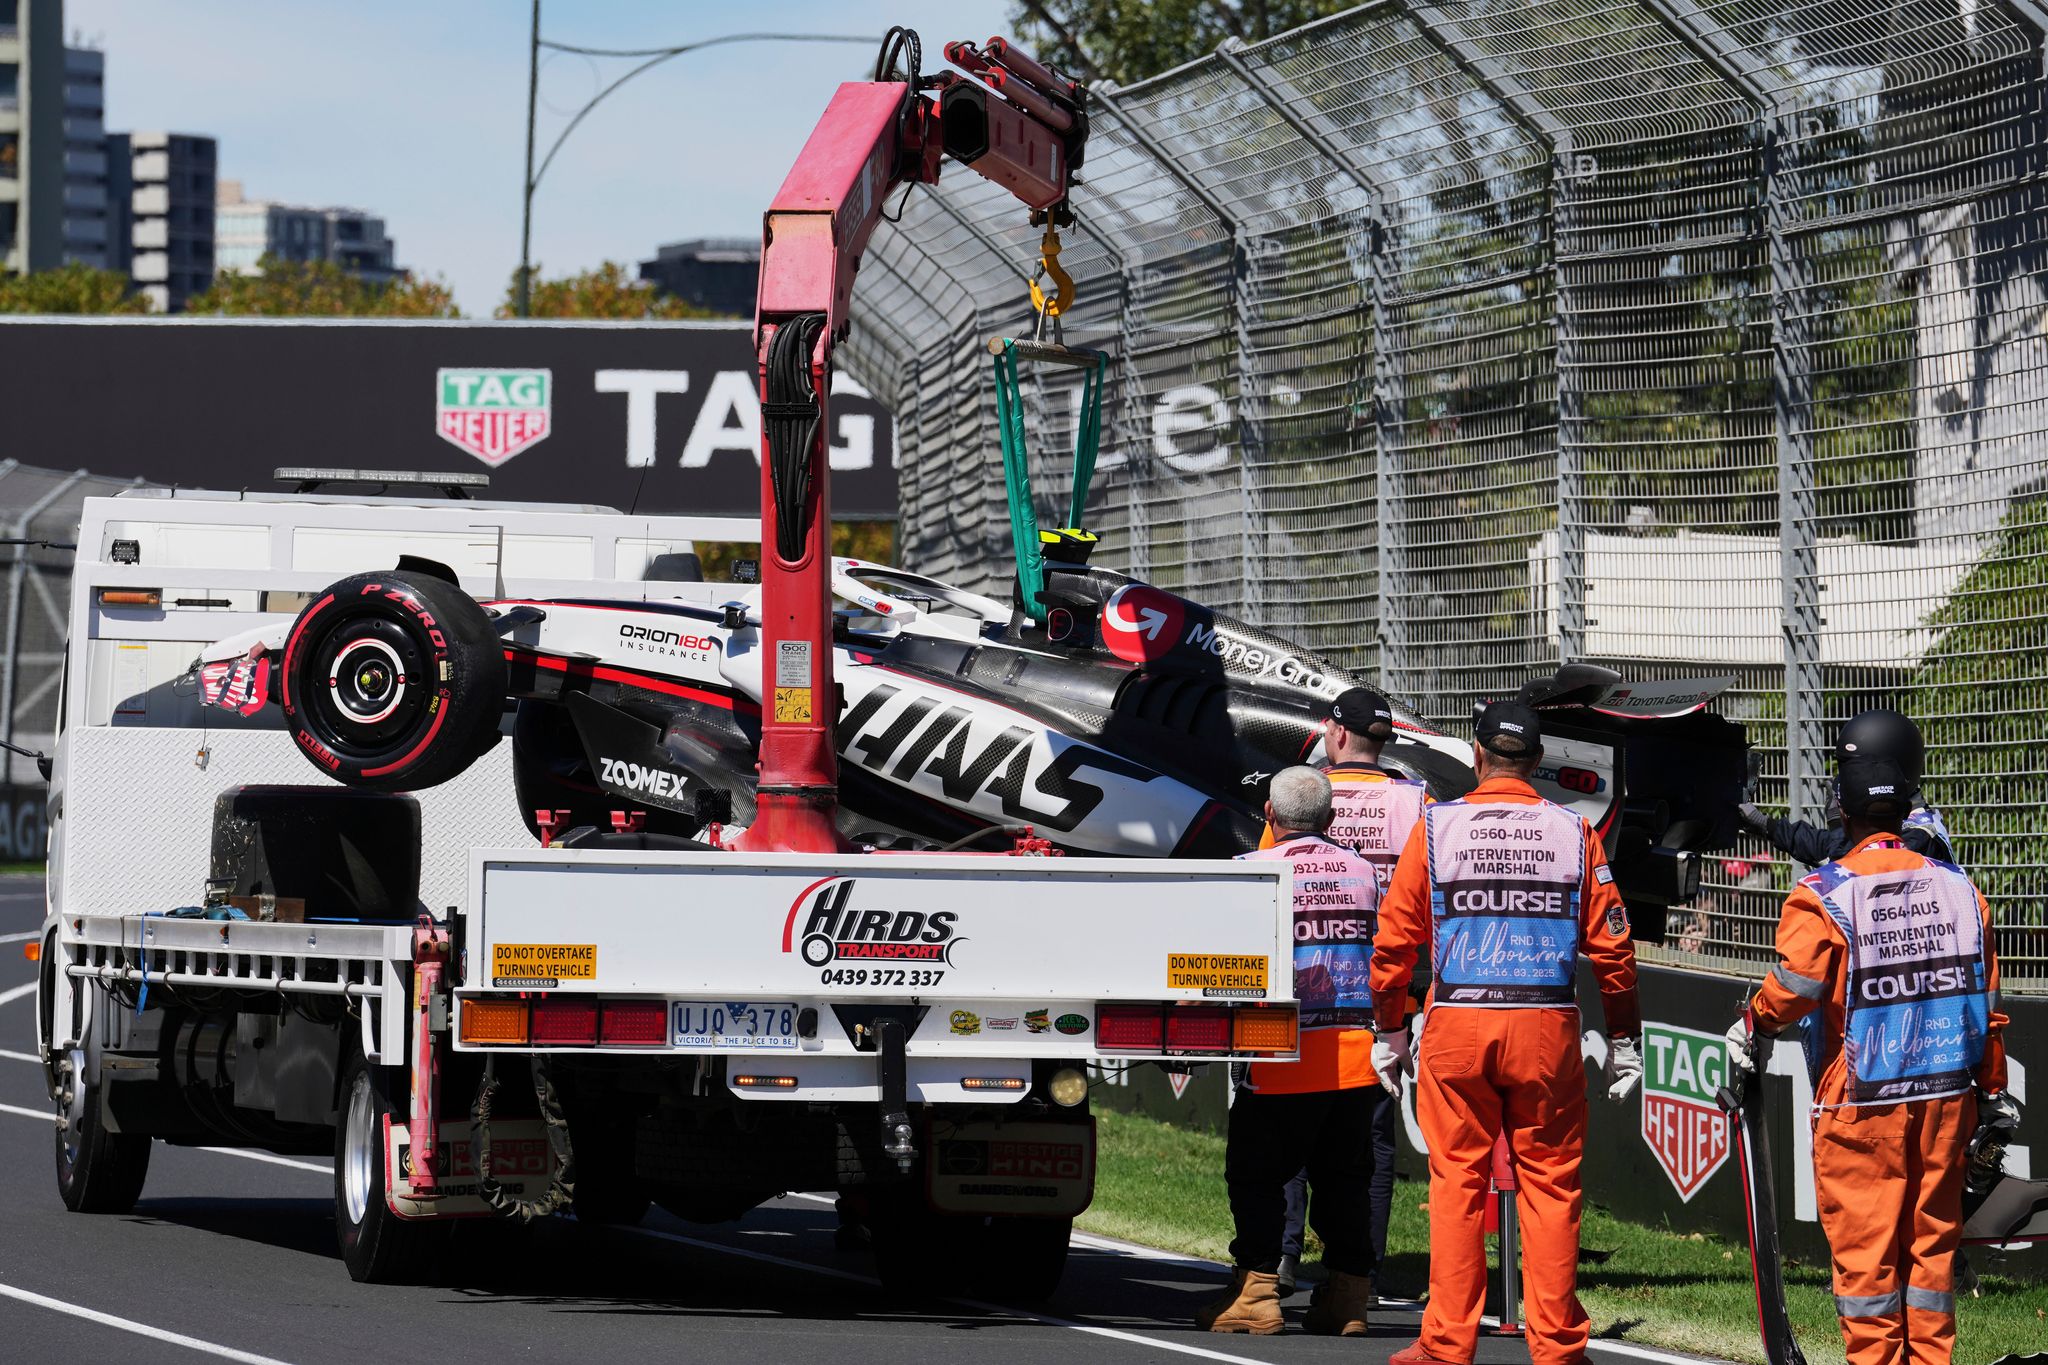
[21,938]
[1092,1241]
[8,996]
[1002,1309]
[141,1329]
[268,1158]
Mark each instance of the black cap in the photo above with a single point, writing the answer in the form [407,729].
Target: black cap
[1868,783]
[1508,728]
[1362,710]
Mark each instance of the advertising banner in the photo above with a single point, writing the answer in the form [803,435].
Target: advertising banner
[648,417]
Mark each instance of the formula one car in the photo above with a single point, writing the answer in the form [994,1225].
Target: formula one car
[1131,721]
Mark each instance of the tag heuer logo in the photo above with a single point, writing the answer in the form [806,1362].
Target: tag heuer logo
[1685,1129]
[493,414]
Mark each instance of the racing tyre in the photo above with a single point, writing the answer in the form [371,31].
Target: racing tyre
[393,681]
[98,1170]
[377,1245]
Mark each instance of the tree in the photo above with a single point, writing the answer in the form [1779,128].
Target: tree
[606,292]
[72,288]
[1128,40]
[321,289]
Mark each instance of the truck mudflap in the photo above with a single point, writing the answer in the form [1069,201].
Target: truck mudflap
[1042,1170]
[519,1156]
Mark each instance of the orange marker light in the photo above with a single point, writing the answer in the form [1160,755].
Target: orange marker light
[1265,1030]
[494,1021]
[33,950]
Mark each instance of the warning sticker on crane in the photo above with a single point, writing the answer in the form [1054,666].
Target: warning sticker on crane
[1217,974]
[793,705]
[527,966]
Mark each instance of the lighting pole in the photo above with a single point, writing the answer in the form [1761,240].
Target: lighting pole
[655,56]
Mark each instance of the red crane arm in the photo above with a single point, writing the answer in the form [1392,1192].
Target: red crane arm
[873,137]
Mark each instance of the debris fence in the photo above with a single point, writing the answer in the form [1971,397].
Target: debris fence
[1457,340]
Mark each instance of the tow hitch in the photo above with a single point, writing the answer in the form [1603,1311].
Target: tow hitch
[887,1038]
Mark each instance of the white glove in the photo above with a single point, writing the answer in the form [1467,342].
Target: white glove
[1392,1058]
[1624,1067]
[1997,1111]
[1741,1048]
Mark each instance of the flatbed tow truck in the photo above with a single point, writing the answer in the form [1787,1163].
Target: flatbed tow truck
[243,950]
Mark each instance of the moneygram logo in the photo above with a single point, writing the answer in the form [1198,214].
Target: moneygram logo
[493,414]
[825,925]
[1684,1127]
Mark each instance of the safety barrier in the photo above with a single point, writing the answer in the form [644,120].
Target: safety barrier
[1457,339]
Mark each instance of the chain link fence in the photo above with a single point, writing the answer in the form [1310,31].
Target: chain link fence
[39,510]
[1456,339]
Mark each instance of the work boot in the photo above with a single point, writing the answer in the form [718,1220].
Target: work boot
[1413,1354]
[1290,1272]
[1251,1304]
[1338,1308]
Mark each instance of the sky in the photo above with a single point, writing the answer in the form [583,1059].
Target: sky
[416,112]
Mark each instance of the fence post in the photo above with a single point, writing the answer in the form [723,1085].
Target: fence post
[1449,35]
[1249,410]
[1389,381]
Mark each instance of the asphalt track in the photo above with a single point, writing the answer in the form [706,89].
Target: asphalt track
[231,1256]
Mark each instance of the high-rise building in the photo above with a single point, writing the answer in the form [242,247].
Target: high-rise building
[86,230]
[171,178]
[721,274]
[31,135]
[250,229]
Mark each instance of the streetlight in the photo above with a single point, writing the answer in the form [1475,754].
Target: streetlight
[655,56]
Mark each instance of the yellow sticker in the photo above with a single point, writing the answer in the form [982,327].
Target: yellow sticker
[542,964]
[1217,974]
[793,705]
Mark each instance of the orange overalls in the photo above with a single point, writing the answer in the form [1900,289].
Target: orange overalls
[1900,1058]
[1505,889]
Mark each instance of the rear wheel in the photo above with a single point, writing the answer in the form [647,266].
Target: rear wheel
[393,681]
[98,1170]
[377,1245]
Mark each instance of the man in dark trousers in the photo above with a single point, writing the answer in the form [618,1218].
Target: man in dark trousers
[1374,811]
[1318,1111]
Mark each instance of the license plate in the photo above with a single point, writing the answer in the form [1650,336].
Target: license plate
[735,1023]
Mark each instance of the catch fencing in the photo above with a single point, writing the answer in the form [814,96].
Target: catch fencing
[1456,339]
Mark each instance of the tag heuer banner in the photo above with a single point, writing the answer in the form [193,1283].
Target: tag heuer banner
[658,417]
[1685,1128]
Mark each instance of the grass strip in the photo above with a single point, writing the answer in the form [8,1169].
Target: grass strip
[1163,1186]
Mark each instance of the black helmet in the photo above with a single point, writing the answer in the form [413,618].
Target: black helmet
[1883,735]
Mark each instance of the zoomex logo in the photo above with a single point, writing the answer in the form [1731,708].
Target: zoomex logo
[826,924]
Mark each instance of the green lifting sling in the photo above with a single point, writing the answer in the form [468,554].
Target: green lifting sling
[1031,542]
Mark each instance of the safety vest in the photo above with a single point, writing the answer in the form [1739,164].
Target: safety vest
[1504,884]
[1336,914]
[1917,1003]
[1374,818]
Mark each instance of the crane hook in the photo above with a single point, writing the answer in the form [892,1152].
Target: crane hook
[1062,297]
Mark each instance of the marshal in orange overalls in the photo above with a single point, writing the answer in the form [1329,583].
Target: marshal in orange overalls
[1895,952]
[1504,889]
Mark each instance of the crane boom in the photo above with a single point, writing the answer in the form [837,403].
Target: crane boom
[873,137]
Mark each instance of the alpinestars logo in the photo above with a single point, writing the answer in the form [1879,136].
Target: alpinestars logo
[834,929]
[635,777]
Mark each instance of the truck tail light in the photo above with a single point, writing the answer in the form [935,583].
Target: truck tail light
[571,1021]
[1198,1028]
[634,1023]
[1129,1028]
[765,1082]
[131,597]
[1265,1028]
[493,1021]
[992,1083]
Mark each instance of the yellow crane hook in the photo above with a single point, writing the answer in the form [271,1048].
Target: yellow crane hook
[1062,297]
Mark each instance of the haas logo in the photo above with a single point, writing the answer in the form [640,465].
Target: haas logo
[836,930]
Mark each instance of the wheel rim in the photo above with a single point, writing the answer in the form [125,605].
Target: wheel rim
[358,1151]
[73,1106]
[368,688]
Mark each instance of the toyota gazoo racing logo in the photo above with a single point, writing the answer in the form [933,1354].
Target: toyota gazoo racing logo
[656,640]
[825,925]
[623,776]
